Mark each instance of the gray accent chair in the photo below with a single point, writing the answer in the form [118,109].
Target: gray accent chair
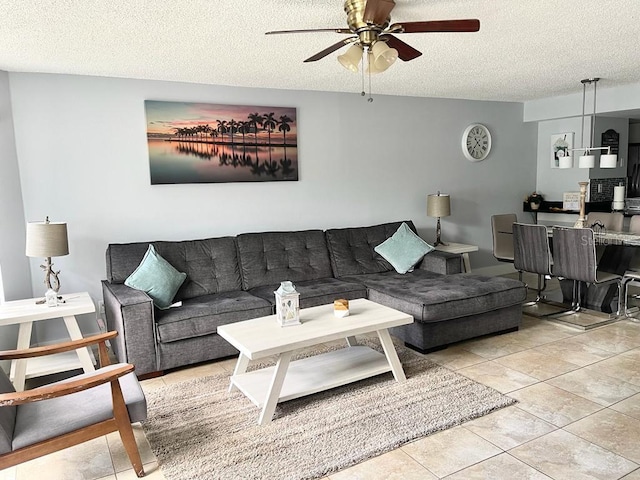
[66,413]
[502,232]
[574,254]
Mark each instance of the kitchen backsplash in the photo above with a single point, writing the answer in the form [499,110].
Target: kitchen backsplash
[606,190]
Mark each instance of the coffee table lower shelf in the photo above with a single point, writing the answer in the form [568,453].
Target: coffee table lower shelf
[314,374]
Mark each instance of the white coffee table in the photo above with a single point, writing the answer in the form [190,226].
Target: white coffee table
[264,337]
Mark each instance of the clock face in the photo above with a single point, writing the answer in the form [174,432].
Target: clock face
[476,142]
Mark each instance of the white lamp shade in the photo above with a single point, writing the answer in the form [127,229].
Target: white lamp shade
[383,55]
[608,161]
[587,161]
[351,58]
[47,239]
[372,66]
[438,205]
[565,162]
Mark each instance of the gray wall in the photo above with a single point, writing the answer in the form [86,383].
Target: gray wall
[360,163]
[14,266]
[14,263]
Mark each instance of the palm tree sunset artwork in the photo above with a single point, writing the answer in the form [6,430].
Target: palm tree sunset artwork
[208,143]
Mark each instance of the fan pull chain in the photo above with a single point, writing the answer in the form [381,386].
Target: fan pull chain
[367,53]
[362,92]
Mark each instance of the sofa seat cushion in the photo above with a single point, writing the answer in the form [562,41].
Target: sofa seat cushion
[431,297]
[317,292]
[202,315]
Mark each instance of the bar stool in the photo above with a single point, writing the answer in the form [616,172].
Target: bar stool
[574,255]
[531,254]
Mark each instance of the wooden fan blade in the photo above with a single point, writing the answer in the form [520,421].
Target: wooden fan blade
[331,49]
[377,11]
[405,51]
[467,25]
[335,30]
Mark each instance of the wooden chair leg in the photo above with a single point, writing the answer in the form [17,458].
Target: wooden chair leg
[124,428]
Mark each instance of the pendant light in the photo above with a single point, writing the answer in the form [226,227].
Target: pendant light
[588,160]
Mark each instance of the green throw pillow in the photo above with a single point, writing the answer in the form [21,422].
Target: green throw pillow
[157,278]
[403,249]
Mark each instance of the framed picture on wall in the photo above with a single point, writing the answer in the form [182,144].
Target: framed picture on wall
[561,144]
[209,143]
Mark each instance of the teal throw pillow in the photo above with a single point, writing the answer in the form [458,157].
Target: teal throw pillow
[403,249]
[157,278]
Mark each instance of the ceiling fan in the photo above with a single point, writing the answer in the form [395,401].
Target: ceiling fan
[371,30]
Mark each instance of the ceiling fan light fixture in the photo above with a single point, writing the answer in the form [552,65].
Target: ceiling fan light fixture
[383,55]
[351,58]
[372,69]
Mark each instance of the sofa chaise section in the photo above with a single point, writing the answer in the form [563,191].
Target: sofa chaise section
[446,308]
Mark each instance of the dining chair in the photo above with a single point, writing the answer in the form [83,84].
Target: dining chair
[574,258]
[53,417]
[611,221]
[502,230]
[531,253]
[631,277]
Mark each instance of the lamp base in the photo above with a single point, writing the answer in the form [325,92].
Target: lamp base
[438,240]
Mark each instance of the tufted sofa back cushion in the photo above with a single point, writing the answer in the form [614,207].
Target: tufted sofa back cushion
[211,264]
[272,257]
[352,249]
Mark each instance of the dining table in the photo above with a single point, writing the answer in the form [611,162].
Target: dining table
[616,251]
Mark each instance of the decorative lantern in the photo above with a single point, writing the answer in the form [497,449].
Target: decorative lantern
[287,304]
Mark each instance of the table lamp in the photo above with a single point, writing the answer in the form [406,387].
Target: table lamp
[46,239]
[438,205]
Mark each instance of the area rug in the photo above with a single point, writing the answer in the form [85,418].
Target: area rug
[198,430]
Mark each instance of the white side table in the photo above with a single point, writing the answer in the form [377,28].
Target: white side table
[25,312]
[462,249]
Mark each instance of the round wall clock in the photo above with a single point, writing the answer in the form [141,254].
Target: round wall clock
[476,142]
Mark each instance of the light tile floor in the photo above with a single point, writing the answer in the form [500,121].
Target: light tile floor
[577,416]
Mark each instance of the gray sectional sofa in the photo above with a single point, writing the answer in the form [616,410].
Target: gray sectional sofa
[231,279]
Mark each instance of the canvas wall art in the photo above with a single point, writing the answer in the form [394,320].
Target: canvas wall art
[561,144]
[208,143]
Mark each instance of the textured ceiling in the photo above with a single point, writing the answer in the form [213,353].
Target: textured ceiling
[526,49]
